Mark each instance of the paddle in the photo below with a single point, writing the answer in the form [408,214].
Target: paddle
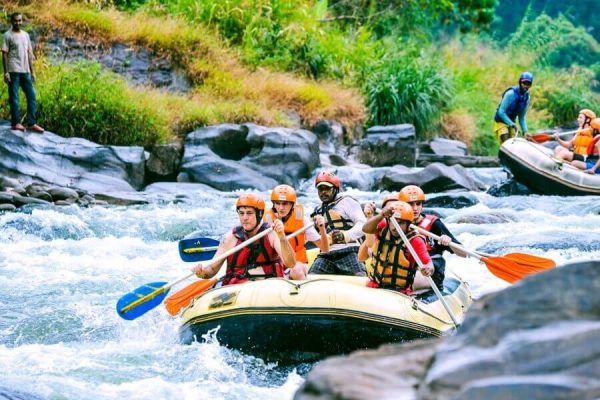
[197,249]
[544,137]
[184,297]
[418,261]
[510,267]
[143,299]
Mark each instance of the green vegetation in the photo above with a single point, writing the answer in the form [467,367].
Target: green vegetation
[429,63]
[82,100]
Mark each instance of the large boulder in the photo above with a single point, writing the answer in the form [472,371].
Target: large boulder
[229,157]
[70,162]
[529,341]
[434,178]
[388,145]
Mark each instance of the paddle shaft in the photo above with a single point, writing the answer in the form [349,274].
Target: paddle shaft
[451,244]
[166,287]
[418,261]
[543,137]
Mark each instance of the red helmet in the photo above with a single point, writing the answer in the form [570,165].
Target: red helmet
[251,200]
[403,211]
[327,178]
[588,114]
[411,193]
[389,197]
[283,193]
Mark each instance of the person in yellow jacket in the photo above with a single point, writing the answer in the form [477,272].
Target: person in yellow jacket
[592,161]
[576,148]
[291,213]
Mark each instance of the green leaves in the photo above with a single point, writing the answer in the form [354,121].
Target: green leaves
[407,91]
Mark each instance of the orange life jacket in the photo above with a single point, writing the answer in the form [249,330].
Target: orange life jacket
[581,141]
[294,221]
[257,254]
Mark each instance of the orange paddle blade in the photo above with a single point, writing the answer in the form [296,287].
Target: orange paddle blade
[510,270]
[184,297]
[531,260]
[541,137]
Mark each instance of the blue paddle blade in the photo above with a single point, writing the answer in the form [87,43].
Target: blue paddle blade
[197,249]
[141,300]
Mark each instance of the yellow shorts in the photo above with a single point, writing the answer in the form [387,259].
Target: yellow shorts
[500,128]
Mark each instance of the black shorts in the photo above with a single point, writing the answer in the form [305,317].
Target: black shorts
[578,157]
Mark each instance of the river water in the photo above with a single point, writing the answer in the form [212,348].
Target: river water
[63,269]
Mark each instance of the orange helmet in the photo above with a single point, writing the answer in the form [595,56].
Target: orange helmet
[411,193]
[327,178]
[589,115]
[251,200]
[389,197]
[595,124]
[403,211]
[283,193]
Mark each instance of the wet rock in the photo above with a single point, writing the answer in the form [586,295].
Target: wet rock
[433,179]
[6,197]
[229,157]
[63,203]
[14,394]
[511,187]
[62,193]
[69,162]
[460,200]
[42,195]
[329,131]
[529,341]
[164,162]
[7,207]
[388,145]
[448,147]
[6,182]
[483,218]
[19,200]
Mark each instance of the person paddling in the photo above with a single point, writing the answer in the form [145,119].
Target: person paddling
[393,265]
[265,258]
[343,218]
[592,161]
[291,213]
[576,148]
[514,104]
[415,197]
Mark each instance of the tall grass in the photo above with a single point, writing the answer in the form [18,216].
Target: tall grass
[84,101]
[408,92]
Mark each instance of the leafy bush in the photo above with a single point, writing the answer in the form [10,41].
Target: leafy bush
[407,92]
[556,42]
[82,100]
[568,95]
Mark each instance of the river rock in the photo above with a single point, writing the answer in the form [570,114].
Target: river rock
[432,179]
[7,207]
[164,162]
[510,187]
[62,193]
[70,162]
[14,394]
[529,341]
[388,145]
[230,157]
[19,200]
[6,197]
[459,200]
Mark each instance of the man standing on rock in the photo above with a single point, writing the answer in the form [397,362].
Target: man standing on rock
[344,220]
[514,105]
[17,59]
